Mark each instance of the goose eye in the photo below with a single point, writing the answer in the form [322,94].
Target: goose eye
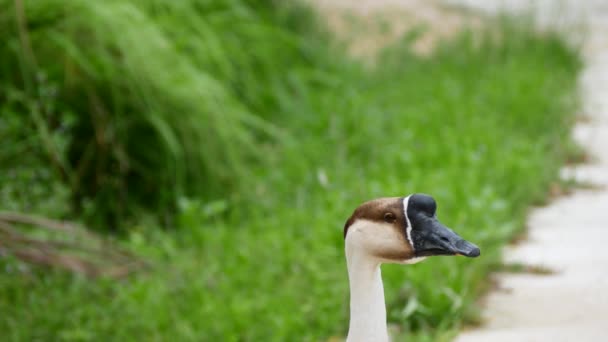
[389,217]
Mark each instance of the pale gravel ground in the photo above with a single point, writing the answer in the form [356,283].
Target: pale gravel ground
[364,20]
[570,235]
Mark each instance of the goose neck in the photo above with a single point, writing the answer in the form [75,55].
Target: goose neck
[367,306]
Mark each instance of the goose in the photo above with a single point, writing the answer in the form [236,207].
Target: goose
[402,230]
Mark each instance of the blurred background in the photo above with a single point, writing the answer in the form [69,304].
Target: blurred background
[182,170]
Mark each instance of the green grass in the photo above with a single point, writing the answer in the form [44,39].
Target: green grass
[160,99]
[481,125]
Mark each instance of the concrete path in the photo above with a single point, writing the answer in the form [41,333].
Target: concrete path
[569,236]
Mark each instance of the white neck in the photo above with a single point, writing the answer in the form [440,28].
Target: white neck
[367,308]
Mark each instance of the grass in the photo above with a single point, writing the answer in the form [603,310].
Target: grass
[481,124]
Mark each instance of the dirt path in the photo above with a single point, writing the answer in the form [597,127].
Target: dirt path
[570,236]
[365,20]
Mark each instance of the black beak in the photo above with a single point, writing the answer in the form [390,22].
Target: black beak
[433,238]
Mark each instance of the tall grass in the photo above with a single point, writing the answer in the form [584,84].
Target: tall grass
[162,99]
[481,124]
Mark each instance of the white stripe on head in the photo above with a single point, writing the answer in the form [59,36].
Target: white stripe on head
[408,229]
[414,260]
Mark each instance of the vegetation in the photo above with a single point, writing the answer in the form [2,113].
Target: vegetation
[228,142]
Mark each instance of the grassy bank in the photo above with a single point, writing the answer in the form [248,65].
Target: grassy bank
[289,136]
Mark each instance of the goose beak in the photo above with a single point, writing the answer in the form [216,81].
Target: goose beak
[436,239]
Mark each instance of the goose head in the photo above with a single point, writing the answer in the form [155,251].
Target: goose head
[402,230]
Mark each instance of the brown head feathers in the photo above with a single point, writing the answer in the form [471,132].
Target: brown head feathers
[381,210]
